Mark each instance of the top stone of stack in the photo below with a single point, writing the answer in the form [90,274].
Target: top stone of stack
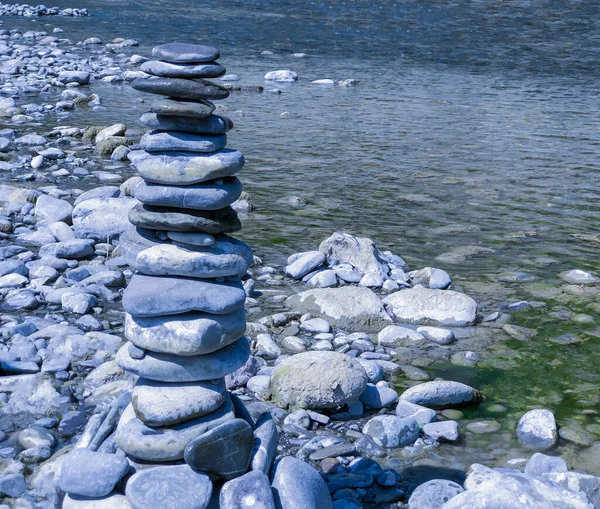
[184,53]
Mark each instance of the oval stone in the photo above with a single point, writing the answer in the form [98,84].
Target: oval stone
[164,404]
[297,485]
[206,196]
[186,168]
[185,220]
[167,487]
[181,88]
[188,334]
[158,296]
[190,71]
[149,255]
[191,239]
[163,367]
[194,109]
[441,394]
[182,52]
[165,141]
[215,124]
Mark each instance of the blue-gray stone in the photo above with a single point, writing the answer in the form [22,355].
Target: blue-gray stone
[149,255]
[165,444]
[214,124]
[441,394]
[173,141]
[190,71]
[185,53]
[251,490]
[76,249]
[223,451]
[186,168]
[182,108]
[181,88]
[378,397]
[207,196]
[91,474]
[434,494]
[167,487]
[164,367]
[157,296]
[13,267]
[265,443]
[186,334]
[296,485]
[391,431]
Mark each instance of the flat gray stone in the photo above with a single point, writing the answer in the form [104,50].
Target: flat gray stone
[111,501]
[76,249]
[251,490]
[181,108]
[296,485]
[185,220]
[441,394]
[206,196]
[186,53]
[91,474]
[317,380]
[164,367]
[190,71]
[167,487]
[164,404]
[181,88]
[265,443]
[147,254]
[223,451]
[186,168]
[433,494]
[148,296]
[215,124]
[167,141]
[191,239]
[165,444]
[186,334]
[102,219]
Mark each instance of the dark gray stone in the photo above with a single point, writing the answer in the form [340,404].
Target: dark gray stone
[157,296]
[181,88]
[214,124]
[91,474]
[181,108]
[167,487]
[185,220]
[223,451]
[434,494]
[296,485]
[164,367]
[251,490]
[190,71]
[185,53]
[149,255]
[186,168]
[167,141]
[206,196]
[441,394]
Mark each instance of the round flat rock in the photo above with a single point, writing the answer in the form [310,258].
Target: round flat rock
[191,71]
[215,124]
[185,220]
[186,168]
[165,404]
[186,334]
[223,451]
[168,141]
[205,196]
[193,109]
[163,367]
[157,296]
[147,254]
[187,239]
[181,88]
[185,53]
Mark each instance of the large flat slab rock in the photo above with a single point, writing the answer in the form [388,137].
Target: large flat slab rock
[432,307]
[164,367]
[351,308]
[186,168]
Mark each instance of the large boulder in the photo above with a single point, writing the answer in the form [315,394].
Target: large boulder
[432,307]
[102,218]
[360,252]
[318,380]
[351,308]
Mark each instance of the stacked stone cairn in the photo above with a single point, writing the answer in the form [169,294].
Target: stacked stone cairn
[188,442]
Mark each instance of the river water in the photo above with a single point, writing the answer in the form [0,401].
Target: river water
[471,144]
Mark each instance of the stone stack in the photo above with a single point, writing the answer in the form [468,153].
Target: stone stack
[185,318]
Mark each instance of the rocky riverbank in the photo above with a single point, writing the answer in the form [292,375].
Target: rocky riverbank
[343,339]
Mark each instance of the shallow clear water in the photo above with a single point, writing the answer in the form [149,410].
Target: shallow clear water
[475,124]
